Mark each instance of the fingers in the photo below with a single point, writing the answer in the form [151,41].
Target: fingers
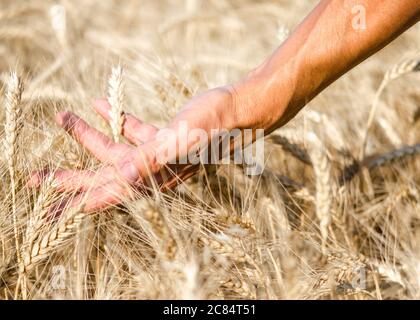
[102,197]
[72,180]
[135,130]
[93,140]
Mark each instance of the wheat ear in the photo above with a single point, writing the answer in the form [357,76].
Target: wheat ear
[230,249]
[116,99]
[13,123]
[324,185]
[394,156]
[36,222]
[373,162]
[403,68]
[59,23]
[152,213]
[42,247]
[40,210]
[239,287]
[291,147]
[12,128]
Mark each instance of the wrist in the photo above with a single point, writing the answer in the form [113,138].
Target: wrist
[265,96]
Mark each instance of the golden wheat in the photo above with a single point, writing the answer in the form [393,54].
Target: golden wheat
[46,243]
[289,233]
[116,99]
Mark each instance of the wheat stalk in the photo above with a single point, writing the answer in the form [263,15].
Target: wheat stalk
[12,129]
[116,99]
[397,71]
[324,185]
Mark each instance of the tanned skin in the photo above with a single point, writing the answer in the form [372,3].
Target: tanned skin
[321,49]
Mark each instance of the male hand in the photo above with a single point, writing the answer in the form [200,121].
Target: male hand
[127,166]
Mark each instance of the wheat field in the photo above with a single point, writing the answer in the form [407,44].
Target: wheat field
[335,214]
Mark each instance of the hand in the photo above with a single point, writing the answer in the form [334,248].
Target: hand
[127,167]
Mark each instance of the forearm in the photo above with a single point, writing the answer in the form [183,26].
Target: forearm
[323,47]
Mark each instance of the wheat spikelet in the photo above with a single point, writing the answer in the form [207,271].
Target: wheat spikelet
[324,185]
[238,287]
[116,99]
[234,224]
[291,147]
[44,245]
[227,249]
